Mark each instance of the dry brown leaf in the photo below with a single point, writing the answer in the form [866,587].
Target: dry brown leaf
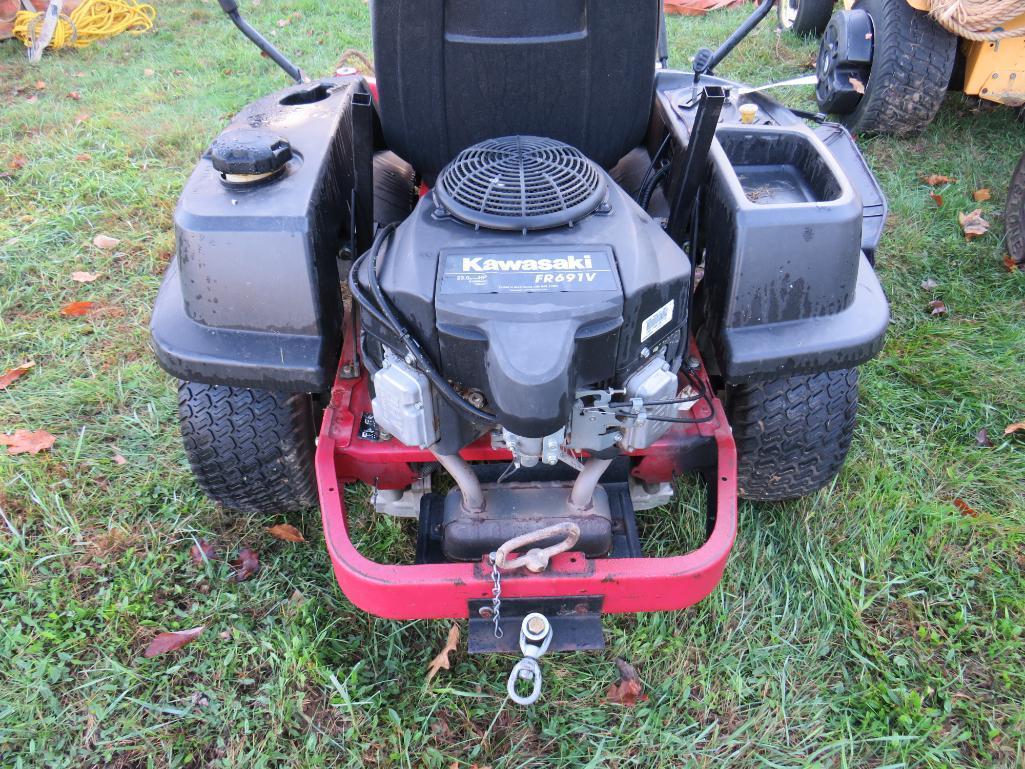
[937,199]
[628,690]
[247,564]
[442,660]
[1010,264]
[74,95]
[8,377]
[982,439]
[27,441]
[936,307]
[80,276]
[171,641]
[973,224]
[965,508]
[149,72]
[119,460]
[78,309]
[857,85]
[40,85]
[1017,427]
[286,532]
[929,284]
[17,162]
[81,117]
[202,551]
[105,241]
[981,196]
[935,180]
[83,157]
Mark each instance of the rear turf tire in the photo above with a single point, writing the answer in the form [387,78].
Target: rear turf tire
[912,60]
[804,17]
[793,433]
[250,450]
[1014,219]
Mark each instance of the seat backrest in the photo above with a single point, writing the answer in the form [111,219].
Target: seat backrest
[451,73]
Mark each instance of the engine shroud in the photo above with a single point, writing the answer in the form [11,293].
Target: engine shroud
[530,317]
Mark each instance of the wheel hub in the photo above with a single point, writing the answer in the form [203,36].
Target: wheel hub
[844,62]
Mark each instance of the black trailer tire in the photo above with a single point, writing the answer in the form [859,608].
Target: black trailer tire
[793,433]
[912,60]
[250,450]
[1014,218]
[804,17]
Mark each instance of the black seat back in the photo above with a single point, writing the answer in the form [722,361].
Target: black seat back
[451,73]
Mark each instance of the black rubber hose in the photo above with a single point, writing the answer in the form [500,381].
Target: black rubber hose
[391,320]
[644,197]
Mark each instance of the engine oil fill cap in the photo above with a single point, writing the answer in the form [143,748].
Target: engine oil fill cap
[244,155]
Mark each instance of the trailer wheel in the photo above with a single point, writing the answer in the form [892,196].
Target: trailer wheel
[1015,216]
[250,450]
[804,17]
[792,433]
[911,63]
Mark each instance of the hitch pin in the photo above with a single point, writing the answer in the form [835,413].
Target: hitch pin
[535,638]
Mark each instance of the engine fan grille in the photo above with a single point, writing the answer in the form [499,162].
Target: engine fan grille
[520,183]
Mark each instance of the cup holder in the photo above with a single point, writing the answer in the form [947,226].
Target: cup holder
[307,94]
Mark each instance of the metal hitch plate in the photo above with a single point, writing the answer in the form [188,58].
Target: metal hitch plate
[576,623]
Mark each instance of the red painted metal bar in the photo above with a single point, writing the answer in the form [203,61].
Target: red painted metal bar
[424,591]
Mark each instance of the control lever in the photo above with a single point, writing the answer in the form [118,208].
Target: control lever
[230,7]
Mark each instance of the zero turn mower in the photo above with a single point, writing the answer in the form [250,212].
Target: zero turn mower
[527,258]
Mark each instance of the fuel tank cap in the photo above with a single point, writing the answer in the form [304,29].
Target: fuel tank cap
[249,154]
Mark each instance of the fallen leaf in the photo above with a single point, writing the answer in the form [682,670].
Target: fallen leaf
[929,284]
[628,690]
[119,460]
[17,162]
[32,99]
[78,309]
[973,224]
[1010,264]
[74,95]
[982,439]
[40,85]
[965,508]
[284,22]
[442,660]
[202,551]
[84,277]
[937,199]
[1017,427]
[247,564]
[149,72]
[81,117]
[27,441]
[172,641]
[935,180]
[8,377]
[105,241]
[83,157]
[857,85]
[981,195]
[286,532]
[936,307]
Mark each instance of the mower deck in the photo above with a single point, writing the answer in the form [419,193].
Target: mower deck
[446,590]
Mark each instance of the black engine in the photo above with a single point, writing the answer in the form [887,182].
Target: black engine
[535,284]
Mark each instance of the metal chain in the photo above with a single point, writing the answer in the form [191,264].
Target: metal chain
[496,591]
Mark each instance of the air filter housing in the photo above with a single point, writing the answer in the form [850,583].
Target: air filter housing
[520,183]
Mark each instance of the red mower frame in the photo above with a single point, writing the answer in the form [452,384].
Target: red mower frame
[434,591]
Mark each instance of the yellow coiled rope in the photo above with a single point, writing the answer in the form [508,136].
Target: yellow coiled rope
[979,19]
[91,21]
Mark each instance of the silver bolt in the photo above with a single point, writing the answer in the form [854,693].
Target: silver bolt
[410,359]
[536,625]
[645,352]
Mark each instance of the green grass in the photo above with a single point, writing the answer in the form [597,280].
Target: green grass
[872,625]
